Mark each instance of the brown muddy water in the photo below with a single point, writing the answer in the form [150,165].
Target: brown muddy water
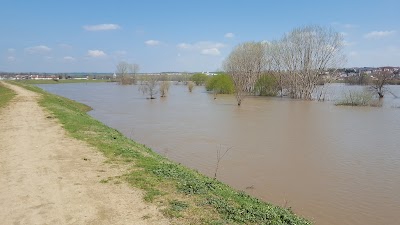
[330,164]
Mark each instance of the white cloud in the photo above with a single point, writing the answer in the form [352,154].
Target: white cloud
[96,53]
[11,50]
[229,35]
[100,27]
[184,46]
[11,58]
[152,42]
[379,34]
[210,51]
[38,49]
[69,59]
[203,47]
[344,25]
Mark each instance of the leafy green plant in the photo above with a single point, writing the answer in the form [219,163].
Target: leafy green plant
[220,84]
[266,85]
[199,78]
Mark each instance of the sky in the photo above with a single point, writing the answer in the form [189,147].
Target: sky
[177,35]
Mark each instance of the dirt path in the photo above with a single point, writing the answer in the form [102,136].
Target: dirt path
[46,177]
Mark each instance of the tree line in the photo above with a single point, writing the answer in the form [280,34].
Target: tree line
[294,63]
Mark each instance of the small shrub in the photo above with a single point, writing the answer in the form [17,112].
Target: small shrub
[190,86]
[164,88]
[356,98]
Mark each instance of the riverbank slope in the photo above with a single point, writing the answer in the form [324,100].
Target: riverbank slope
[184,195]
[47,177]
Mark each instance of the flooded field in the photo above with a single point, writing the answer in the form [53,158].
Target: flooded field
[331,164]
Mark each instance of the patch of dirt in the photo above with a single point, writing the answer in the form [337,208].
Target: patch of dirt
[45,179]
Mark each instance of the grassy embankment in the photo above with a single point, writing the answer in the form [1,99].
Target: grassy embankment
[61,81]
[6,95]
[184,195]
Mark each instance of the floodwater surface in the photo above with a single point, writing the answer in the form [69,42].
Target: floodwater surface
[330,164]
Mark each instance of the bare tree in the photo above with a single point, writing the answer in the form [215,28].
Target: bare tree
[304,55]
[135,69]
[380,79]
[245,65]
[148,86]
[126,73]
[220,156]
[190,85]
[164,86]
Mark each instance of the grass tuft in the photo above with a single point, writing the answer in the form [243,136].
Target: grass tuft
[6,95]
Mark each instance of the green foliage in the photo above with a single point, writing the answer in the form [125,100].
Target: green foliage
[199,78]
[220,84]
[236,207]
[206,199]
[266,85]
[6,95]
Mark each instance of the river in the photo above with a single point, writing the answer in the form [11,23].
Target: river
[330,164]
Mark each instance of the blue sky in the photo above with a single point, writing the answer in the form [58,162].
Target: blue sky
[173,35]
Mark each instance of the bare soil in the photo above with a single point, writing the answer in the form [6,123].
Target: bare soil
[47,177]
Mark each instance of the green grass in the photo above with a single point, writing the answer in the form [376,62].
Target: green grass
[6,95]
[60,81]
[184,194]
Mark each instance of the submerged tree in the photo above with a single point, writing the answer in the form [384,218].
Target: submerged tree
[199,78]
[244,65]
[190,85]
[380,79]
[148,86]
[164,86]
[220,84]
[304,55]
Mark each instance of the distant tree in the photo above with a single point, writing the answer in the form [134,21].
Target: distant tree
[304,54]
[244,65]
[359,79]
[220,84]
[148,86]
[380,79]
[164,86]
[126,73]
[199,78]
